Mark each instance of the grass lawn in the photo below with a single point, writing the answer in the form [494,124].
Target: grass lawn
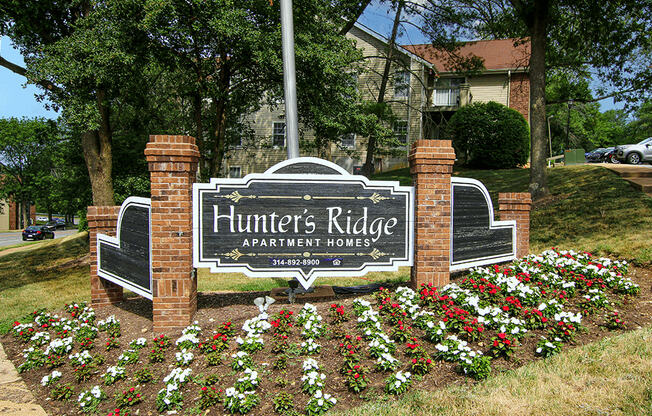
[590,208]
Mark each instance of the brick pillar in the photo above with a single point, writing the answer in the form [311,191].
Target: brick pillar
[431,166]
[103,220]
[13,216]
[516,206]
[173,166]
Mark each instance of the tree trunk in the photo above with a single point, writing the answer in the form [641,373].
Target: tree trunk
[219,144]
[26,211]
[199,129]
[538,176]
[368,167]
[97,148]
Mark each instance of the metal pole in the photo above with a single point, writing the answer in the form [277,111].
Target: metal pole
[549,136]
[289,80]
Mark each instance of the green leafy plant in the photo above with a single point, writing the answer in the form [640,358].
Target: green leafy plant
[398,383]
[62,391]
[144,375]
[209,396]
[489,136]
[283,402]
[128,397]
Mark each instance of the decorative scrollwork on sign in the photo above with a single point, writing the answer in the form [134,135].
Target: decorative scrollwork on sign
[376,254]
[235,254]
[375,197]
[235,196]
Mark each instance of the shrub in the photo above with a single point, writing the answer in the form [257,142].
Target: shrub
[489,136]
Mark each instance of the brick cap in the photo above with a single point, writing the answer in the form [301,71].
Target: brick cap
[523,198]
[171,149]
[432,151]
[107,211]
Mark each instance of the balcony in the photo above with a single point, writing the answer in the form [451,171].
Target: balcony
[443,97]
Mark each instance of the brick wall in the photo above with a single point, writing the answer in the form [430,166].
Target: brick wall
[102,220]
[516,206]
[173,167]
[431,166]
[519,94]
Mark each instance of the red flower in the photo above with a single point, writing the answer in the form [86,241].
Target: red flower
[501,335]
[356,375]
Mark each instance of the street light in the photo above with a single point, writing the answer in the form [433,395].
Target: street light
[549,136]
[570,104]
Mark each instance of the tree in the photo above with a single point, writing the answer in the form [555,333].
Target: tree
[26,161]
[227,59]
[87,57]
[612,38]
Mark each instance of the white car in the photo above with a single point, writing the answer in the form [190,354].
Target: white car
[635,153]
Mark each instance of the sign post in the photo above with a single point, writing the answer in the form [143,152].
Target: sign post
[289,80]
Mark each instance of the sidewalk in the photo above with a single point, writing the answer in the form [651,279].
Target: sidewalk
[640,176]
[15,398]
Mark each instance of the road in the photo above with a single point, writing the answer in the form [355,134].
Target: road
[15,237]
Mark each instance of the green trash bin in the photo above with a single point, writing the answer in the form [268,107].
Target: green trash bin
[574,157]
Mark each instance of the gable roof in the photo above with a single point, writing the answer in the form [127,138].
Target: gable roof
[384,40]
[498,54]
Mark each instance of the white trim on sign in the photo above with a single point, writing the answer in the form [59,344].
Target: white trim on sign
[115,242]
[493,225]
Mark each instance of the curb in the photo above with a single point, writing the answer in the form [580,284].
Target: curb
[15,397]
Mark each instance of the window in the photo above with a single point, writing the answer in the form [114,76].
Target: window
[401,84]
[447,92]
[235,172]
[401,131]
[348,141]
[278,134]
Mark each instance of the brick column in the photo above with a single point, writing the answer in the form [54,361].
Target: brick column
[431,166]
[173,166]
[517,206]
[102,220]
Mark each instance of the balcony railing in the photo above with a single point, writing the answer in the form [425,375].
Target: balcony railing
[445,97]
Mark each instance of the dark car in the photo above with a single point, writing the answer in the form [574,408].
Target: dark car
[610,156]
[56,224]
[596,155]
[37,232]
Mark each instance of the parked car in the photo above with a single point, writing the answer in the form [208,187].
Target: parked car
[610,156]
[595,156]
[635,153]
[37,232]
[56,224]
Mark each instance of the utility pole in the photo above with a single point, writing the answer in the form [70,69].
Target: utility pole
[289,80]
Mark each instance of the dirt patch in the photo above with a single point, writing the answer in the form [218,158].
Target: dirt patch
[215,308]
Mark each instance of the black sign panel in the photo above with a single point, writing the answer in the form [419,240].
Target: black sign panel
[302,218]
[476,238]
[125,260]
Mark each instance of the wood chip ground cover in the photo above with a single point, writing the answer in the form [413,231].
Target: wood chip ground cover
[493,300]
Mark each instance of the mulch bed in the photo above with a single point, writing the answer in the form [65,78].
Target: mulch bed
[215,308]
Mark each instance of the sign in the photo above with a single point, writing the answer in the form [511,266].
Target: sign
[302,218]
[125,259]
[476,239]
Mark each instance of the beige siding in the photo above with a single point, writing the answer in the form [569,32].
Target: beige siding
[4,215]
[487,88]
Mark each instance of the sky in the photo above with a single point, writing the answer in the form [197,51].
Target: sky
[18,100]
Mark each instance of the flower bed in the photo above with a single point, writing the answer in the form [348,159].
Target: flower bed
[314,357]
